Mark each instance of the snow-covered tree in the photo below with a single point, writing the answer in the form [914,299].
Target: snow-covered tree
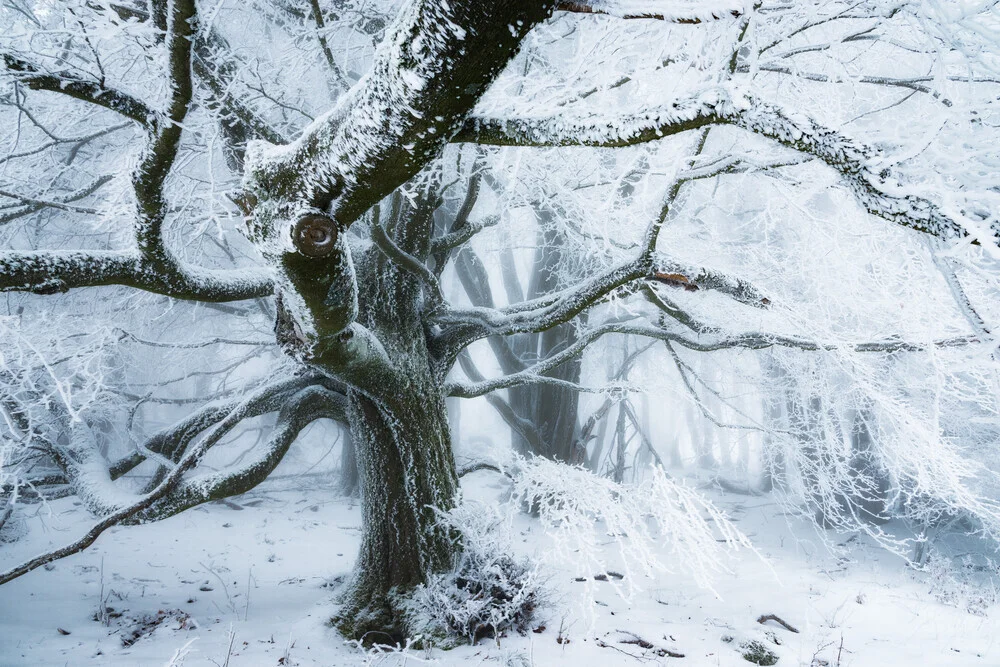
[142,136]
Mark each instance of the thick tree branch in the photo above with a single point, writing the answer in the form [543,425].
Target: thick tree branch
[173,441]
[299,411]
[307,405]
[159,155]
[50,272]
[419,91]
[36,78]
[692,279]
[856,163]
[596,130]
[702,343]
[548,311]
[153,267]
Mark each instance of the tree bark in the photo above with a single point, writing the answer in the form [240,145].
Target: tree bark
[407,473]
[402,441]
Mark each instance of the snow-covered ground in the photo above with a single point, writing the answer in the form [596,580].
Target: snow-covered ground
[253,582]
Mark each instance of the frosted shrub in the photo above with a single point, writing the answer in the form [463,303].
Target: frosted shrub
[963,584]
[487,594]
[657,525]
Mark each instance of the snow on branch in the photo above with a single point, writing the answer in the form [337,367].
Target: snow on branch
[300,410]
[51,272]
[151,266]
[596,130]
[920,84]
[707,339]
[173,441]
[550,310]
[35,77]
[671,11]
[173,494]
[544,312]
[858,165]
[692,279]
[63,203]
[388,126]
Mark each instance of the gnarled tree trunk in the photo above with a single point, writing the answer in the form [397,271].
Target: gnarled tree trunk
[407,473]
[402,440]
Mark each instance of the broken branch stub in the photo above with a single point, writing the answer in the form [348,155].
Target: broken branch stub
[315,235]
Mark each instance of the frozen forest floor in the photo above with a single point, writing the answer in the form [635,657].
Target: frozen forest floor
[253,582]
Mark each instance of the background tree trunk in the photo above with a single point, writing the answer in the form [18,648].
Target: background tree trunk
[553,409]
[349,482]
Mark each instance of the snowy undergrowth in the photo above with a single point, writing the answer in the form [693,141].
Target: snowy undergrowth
[489,593]
[657,525]
[963,583]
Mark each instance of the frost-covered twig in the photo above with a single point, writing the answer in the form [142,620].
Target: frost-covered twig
[62,203]
[706,342]
[658,525]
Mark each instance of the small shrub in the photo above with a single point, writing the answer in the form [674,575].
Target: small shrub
[487,594]
[964,584]
[758,653]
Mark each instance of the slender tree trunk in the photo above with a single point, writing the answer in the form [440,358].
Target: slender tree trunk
[349,482]
[773,473]
[553,409]
[872,484]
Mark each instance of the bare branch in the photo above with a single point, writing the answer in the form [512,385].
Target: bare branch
[524,427]
[64,203]
[317,15]
[407,262]
[452,240]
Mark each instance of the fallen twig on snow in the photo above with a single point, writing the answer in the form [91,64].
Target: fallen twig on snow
[771,617]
